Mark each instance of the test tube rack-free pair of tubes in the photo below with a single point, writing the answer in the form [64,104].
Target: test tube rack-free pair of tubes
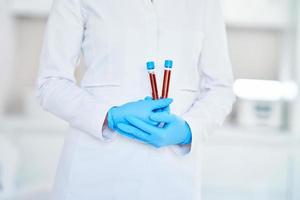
[166,81]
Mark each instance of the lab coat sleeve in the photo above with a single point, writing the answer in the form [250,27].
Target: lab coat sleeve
[57,91]
[215,98]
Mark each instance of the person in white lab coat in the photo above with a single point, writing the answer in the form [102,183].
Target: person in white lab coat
[117,38]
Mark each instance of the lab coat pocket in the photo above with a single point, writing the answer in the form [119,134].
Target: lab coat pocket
[184,98]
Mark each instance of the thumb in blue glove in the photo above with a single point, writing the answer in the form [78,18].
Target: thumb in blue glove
[165,109]
[175,132]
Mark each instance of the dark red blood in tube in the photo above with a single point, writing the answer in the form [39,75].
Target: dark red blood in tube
[166,84]
[154,86]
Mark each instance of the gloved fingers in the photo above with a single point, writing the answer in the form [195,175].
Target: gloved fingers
[161,103]
[153,123]
[135,132]
[165,109]
[146,119]
[148,128]
[162,117]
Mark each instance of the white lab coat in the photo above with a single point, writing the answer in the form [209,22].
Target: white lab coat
[117,38]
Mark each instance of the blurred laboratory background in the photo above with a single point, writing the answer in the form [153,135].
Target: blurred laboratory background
[255,156]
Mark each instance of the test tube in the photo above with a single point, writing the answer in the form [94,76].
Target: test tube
[151,68]
[167,78]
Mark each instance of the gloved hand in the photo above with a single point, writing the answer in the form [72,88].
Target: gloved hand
[175,132]
[141,109]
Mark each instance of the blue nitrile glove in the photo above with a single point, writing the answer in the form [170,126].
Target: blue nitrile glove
[175,132]
[141,109]
[165,109]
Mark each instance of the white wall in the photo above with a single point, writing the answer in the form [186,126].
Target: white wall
[255,53]
[6,51]
[31,7]
[28,40]
[257,13]
[296,105]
